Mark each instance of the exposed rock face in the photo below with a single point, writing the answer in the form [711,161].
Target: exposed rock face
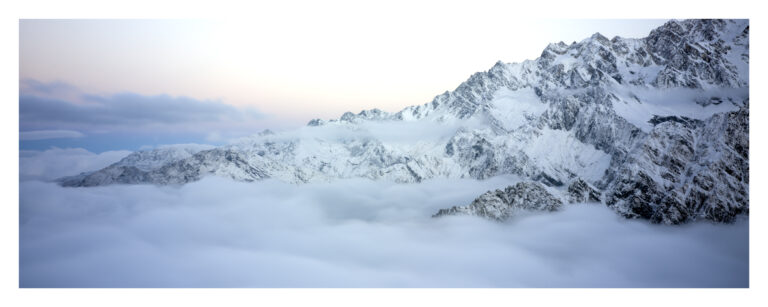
[581,192]
[694,53]
[501,205]
[687,171]
[529,196]
[659,124]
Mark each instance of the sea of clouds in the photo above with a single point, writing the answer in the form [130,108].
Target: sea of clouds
[349,233]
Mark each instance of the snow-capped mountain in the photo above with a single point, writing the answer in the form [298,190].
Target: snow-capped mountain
[656,128]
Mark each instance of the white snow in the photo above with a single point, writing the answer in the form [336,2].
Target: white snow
[558,151]
[513,108]
[673,101]
[568,60]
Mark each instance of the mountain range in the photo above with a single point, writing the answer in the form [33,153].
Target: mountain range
[655,128]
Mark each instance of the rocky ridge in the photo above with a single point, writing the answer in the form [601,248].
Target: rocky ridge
[501,205]
[656,128]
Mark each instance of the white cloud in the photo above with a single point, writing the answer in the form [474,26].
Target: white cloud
[351,233]
[55,163]
[49,134]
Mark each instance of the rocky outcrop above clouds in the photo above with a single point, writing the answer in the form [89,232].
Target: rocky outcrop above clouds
[656,128]
[501,205]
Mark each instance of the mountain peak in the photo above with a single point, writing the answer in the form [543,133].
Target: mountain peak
[600,38]
[656,125]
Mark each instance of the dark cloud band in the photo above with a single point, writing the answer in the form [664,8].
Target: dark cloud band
[39,109]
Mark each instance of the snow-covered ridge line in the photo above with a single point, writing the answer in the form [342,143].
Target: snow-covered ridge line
[696,54]
[668,112]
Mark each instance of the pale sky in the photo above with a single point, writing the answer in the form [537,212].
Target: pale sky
[295,68]
[281,70]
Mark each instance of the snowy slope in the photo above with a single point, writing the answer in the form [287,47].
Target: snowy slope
[587,111]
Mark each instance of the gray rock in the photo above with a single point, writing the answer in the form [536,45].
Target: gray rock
[580,191]
[686,172]
[501,205]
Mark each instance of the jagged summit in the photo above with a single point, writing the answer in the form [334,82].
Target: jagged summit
[691,53]
[658,126]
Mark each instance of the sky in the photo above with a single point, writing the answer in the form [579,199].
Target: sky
[123,84]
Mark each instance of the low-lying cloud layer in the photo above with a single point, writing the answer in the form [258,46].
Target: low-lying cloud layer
[351,233]
[57,162]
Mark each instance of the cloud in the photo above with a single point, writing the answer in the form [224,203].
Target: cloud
[51,89]
[49,134]
[214,136]
[41,108]
[351,233]
[56,163]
